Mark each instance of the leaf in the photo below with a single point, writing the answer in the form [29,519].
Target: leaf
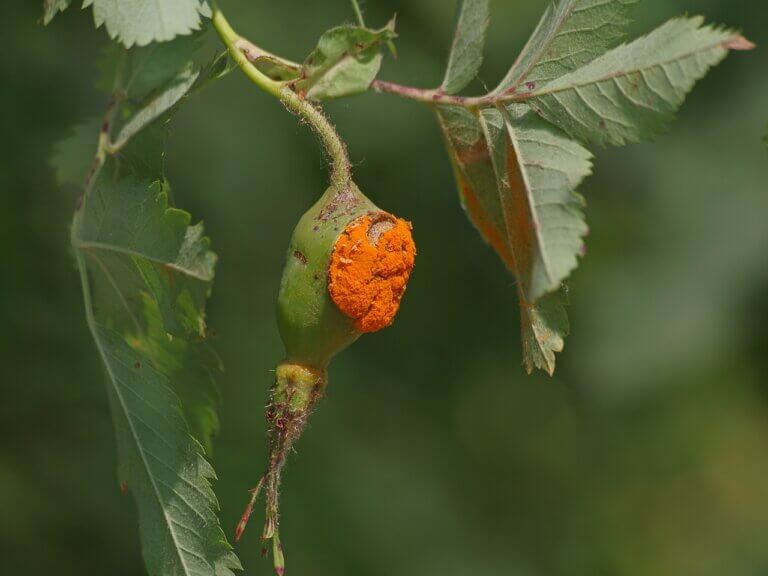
[156,78]
[478,145]
[153,67]
[345,62]
[544,328]
[146,275]
[152,80]
[632,92]
[73,156]
[570,34]
[53,7]
[162,466]
[538,169]
[150,273]
[512,151]
[191,368]
[466,56]
[141,22]
[158,106]
[141,246]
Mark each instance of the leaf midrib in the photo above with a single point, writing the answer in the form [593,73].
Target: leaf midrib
[529,193]
[535,61]
[618,74]
[88,245]
[113,379]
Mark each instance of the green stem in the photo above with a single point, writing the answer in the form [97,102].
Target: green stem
[241,48]
[358,13]
[294,103]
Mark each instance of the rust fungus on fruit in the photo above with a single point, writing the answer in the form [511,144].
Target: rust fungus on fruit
[369,270]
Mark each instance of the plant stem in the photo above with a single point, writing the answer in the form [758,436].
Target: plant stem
[334,146]
[440,97]
[358,13]
[245,53]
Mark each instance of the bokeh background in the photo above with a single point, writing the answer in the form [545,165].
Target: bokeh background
[433,454]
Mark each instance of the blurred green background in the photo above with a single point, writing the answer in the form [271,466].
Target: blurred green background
[433,454]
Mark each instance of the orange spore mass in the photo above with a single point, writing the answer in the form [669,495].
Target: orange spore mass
[367,278]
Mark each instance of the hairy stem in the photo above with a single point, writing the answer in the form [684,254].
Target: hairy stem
[294,103]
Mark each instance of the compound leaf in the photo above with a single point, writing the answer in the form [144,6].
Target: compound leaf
[466,56]
[515,152]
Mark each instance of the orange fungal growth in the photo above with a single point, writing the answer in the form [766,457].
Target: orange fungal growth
[370,266]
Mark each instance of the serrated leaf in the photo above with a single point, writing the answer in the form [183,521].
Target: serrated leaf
[345,62]
[544,328]
[466,56]
[73,156]
[140,22]
[53,7]
[141,247]
[146,275]
[507,201]
[515,162]
[149,275]
[570,34]
[632,92]
[162,466]
[539,169]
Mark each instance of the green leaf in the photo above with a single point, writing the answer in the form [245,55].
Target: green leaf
[73,156]
[146,275]
[544,328]
[570,34]
[466,56]
[538,170]
[345,62]
[191,367]
[53,7]
[158,106]
[527,210]
[149,275]
[162,466]
[141,22]
[153,79]
[632,92]
[513,150]
[141,246]
[151,68]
